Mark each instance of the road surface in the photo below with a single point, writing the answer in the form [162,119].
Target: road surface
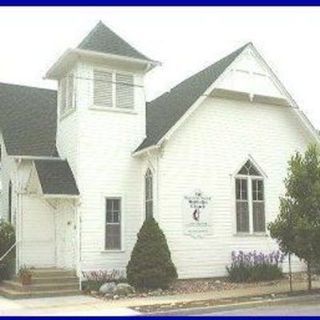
[303,306]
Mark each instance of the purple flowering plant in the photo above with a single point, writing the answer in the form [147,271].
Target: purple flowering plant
[255,266]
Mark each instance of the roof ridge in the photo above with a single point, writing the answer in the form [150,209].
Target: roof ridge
[100,26]
[165,111]
[25,86]
[238,51]
[85,39]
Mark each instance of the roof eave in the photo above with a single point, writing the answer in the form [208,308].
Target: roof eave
[26,157]
[145,150]
[55,196]
[71,55]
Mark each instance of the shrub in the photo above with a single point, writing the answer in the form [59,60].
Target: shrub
[93,280]
[253,266]
[150,266]
[7,239]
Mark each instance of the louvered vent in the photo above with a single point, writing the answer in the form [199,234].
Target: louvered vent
[102,88]
[124,91]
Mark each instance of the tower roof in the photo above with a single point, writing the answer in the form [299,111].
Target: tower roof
[102,39]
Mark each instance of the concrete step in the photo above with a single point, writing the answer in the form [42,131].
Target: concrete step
[18,286]
[52,272]
[55,279]
[46,282]
[13,294]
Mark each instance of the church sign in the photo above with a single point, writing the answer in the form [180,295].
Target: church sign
[197,214]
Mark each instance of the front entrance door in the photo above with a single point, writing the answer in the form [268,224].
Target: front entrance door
[66,232]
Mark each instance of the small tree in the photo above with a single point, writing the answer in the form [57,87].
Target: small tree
[150,266]
[7,239]
[297,227]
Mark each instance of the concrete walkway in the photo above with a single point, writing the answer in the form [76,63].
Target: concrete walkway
[86,305]
[71,306]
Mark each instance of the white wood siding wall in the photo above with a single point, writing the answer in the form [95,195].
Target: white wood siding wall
[68,128]
[8,172]
[204,154]
[38,233]
[105,168]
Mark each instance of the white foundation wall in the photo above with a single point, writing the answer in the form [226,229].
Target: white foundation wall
[105,168]
[205,153]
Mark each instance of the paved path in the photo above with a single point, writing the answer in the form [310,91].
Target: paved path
[72,305]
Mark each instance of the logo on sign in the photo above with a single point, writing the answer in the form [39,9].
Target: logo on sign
[197,214]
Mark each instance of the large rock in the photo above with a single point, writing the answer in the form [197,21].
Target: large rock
[123,289]
[108,287]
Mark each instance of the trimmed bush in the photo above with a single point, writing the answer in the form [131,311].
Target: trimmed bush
[150,266]
[7,239]
[254,267]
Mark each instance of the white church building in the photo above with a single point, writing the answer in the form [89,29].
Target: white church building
[82,167]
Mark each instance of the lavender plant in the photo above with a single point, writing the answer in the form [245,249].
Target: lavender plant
[255,266]
[93,280]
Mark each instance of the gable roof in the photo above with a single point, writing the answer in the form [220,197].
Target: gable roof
[104,40]
[164,112]
[56,177]
[28,120]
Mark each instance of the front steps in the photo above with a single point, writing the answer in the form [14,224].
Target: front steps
[51,282]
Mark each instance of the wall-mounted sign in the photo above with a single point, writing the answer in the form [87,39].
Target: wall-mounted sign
[197,214]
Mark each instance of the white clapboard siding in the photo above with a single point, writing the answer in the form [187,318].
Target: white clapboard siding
[203,154]
[37,243]
[98,144]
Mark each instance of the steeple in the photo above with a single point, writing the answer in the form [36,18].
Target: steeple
[102,39]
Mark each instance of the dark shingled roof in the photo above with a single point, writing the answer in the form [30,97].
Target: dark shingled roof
[28,120]
[56,177]
[167,109]
[102,39]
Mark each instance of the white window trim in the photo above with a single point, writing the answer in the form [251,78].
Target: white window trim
[144,193]
[250,205]
[114,107]
[104,202]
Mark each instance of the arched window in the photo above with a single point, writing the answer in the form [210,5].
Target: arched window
[149,194]
[250,209]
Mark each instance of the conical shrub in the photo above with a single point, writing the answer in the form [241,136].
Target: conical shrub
[150,265]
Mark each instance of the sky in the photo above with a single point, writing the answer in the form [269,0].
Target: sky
[185,40]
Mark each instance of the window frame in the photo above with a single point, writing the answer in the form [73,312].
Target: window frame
[250,200]
[105,199]
[114,106]
[148,174]
[68,107]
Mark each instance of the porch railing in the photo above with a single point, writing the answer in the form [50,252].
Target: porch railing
[8,251]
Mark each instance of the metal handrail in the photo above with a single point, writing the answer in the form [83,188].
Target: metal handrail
[8,251]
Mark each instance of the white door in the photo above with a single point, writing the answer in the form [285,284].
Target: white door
[66,234]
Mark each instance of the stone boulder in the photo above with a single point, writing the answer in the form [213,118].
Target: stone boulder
[123,289]
[108,287]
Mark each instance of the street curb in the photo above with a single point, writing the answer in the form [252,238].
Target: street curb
[239,305]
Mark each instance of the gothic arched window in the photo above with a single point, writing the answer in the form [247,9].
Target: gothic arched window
[250,208]
[149,193]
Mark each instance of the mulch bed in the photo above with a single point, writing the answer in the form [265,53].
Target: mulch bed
[201,285]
